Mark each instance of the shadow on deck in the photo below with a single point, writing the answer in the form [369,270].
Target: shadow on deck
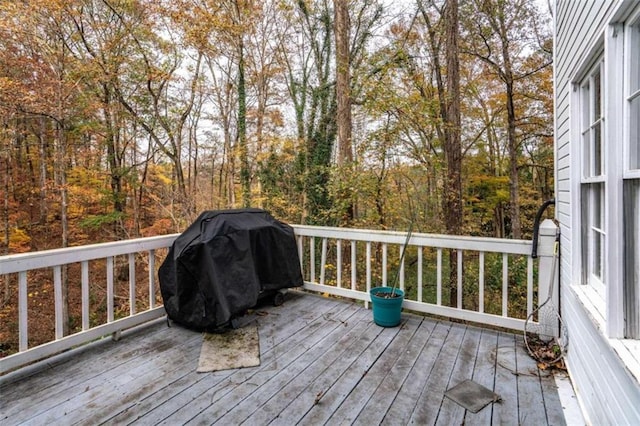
[322,361]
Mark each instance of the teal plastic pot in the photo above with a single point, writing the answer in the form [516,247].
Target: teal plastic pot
[386,310]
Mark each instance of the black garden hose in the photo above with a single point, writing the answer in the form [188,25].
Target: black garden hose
[536,225]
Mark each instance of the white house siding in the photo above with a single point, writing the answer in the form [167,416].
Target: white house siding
[607,392]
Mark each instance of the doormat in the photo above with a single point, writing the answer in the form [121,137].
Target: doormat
[472,396]
[237,348]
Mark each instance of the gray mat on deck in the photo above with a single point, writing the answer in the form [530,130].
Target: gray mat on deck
[236,348]
[471,395]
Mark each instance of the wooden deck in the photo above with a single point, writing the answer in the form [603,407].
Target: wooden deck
[322,361]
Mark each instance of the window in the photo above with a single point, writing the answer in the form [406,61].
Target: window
[593,147]
[606,150]
[631,181]
[633,94]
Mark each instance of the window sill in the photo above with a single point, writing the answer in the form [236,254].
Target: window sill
[594,305]
[627,350]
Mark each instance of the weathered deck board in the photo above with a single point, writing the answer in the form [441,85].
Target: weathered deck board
[410,393]
[450,412]
[276,334]
[246,396]
[265,403]
[431,398]
[386,393]
[322,361]
[353,404]
[505,382]
[484,373]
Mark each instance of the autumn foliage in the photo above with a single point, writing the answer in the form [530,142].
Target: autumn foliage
[127,118]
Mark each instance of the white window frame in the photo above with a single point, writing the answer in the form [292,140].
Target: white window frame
[593,175]
[608,313]
[630,176]
[603,298]
[609,307]
[632,48]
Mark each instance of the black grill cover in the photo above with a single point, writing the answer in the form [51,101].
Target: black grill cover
[222,263]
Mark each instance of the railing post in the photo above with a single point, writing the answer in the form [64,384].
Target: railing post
[547,275]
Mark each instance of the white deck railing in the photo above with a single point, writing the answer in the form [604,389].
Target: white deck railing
[494,276]
[49,266]
[329,253]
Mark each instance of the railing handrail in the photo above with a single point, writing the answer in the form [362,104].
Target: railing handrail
[460,242]
[21,262]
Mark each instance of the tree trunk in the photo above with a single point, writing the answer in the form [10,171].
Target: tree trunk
[447,78]
[6,293]
[245,175]
[453,148]
[514,199]
[343,91]
[114,159]
[44,209]
[61,183]
[343,102]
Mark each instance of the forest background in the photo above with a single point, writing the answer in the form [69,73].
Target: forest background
[127,118]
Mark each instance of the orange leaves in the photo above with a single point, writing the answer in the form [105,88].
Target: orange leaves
[159,227]
[19,241]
